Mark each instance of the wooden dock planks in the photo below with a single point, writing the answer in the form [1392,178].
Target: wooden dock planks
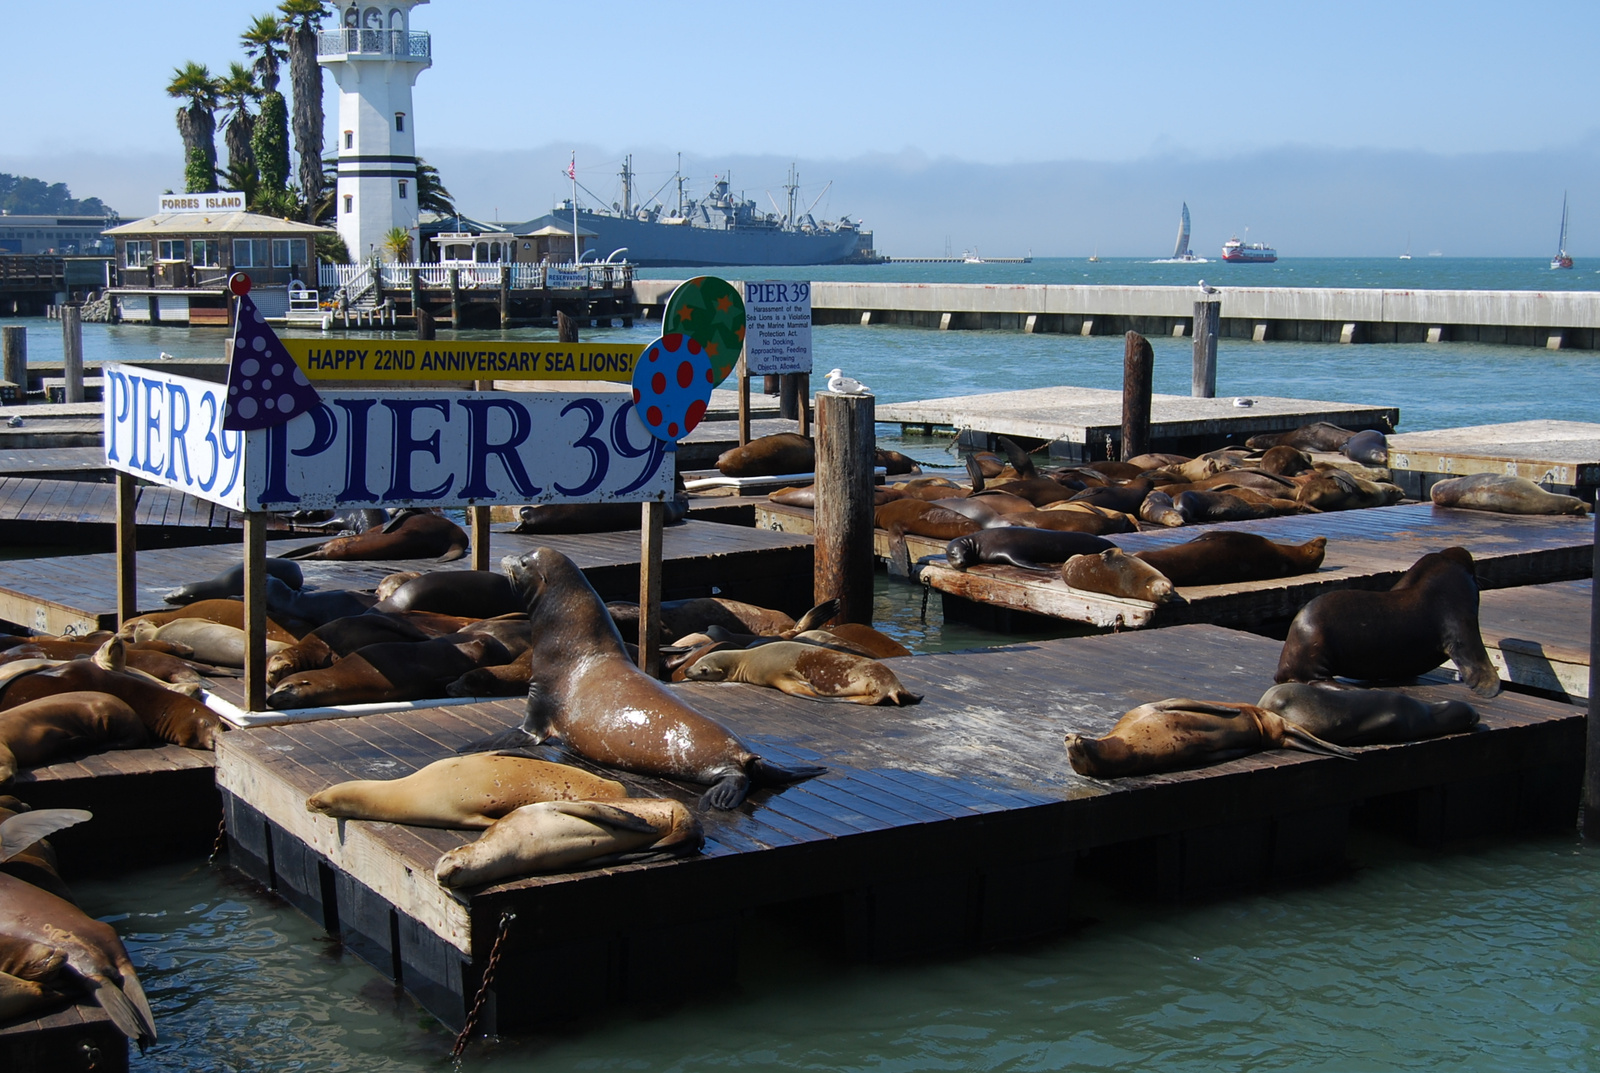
[951,822]
[1366,549]
[1565,454]
[70,1038]
[78,593]
[1538,635]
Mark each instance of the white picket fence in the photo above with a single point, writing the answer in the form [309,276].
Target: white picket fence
[357,279]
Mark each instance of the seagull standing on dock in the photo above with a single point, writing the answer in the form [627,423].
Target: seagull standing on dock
[1207,288]
[840,384]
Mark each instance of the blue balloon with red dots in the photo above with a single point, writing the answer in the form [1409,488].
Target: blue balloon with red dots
[672,385]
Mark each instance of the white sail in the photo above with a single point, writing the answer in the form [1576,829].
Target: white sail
[1181,250]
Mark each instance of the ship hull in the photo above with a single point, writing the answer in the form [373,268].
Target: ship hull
[656,245]
[1251,258]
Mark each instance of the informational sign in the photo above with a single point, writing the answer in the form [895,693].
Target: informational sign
[386,449]
[400,359]
[566,279]
[221,201]
[777,327]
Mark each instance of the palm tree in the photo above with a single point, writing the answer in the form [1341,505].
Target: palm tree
[263,43]
[397,244]
[237,89]
[431,194]
[300,20]
[323,211]
[197,124]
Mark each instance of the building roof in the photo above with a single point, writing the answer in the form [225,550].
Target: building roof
[230,223]
[556,229]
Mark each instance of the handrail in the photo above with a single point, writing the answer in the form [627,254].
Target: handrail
[402,43]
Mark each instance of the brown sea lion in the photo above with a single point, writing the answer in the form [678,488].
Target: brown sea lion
[586,692]
[1227,557]
[1429,616]
[1125,497]
[1026,548]
[462,791]
[390,671]
[864,639]
[1317,436]
[1284,460]
[1269,484]
[1235,506]
[157,664]
[325,644]
[92,960]
[924,519]
[1159,509]
[468,593]
[167,715]
[1169,735]
[224,612]
[592,517]
[769,456]
[803,670]
[410,535]
[1096,523]
[1113,573]
[1156,460]
[1334,489]
[894,463]
[1365,716]
[1503,494]
[555,836]
[1110,471]
[64,725]
[504,680]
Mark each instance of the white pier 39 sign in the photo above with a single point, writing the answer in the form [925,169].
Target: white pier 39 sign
[385,449]
[777,327]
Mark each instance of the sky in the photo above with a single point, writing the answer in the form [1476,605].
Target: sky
[1327,129]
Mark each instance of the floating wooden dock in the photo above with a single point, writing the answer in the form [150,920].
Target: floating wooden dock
[70,1038]
[937,828]
[1085,424]
[60,463]
[1562,455]
[781,518]
[83,514]
[1367,549]
[77,594]
[1538,635]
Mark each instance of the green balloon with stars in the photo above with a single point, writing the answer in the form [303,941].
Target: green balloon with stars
[709,311]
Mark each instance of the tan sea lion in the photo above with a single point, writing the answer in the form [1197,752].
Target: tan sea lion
[211,642]
[157,664]
[1073,520]
[1348,716]
[1227,557]
[1156,460]
[586,692]
[1114,573]
[878,645]
[390,671]
[803,670]
[1158,509]
[1316,436]
[19,996]
[391,582]
[411,534]
[462,791]
[769,456]
[1503,494]
[1169,735]
[225,612]
[62,725]
[1429,616]
[554,836]
[170,716]
[92,959]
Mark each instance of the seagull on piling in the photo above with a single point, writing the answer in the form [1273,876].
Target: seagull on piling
[1207,288]
[840,384]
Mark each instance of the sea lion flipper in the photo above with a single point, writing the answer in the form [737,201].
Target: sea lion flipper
[1020,460]
[727,792]
[974,474]
[766,773]
[818,615]
[1186,704]
[25,828]
[1298,737]
[603,815]
[512,740]
[130,1021]
[303,553]
[899,554]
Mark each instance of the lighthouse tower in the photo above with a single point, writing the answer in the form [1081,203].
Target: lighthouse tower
[375,57]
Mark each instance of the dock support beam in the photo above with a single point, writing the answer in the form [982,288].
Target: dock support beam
[72,352]
[255,611]
[844,525]
[1436,334]
[654,515]
[1088,326]
[866,317]
[1347,333]
[1207,323]
[944,321]
[1138,371]
[1591,768]
[14,348]
[1031,325]
[1260,334]
[1555,341]
[127,550]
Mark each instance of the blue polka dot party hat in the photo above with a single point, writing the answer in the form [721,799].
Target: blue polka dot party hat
[265,385]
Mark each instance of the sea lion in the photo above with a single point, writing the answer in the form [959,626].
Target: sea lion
[585,691]
[462,791]
[924,519]
[62,725]
[592,517]
[1370,448]
[391,582]
[91,957]
[172,717]
[1317,436]
[554,836]
[1114,573]
[1169,735]
[1156,460]
[468,593]
[1228,557]
[24,850]
[700,613]
[1365,716]
[1334,489]
[1026,548]
[231,582]
[768,456]
[1120,497]
[222,612]
[894,463]
[1430,615]
[803,670]
[325,644]
[1093,522]
[411,534]
[878,645]
[1284,460]
[211,642]
[315,608]
[1158,509]
[1503,494]
[504,680]
[159,665]
[390,671]
[1235,506]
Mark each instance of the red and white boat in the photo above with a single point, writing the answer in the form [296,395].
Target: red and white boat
[1248,253]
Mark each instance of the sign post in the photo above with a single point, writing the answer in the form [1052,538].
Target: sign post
[778,339]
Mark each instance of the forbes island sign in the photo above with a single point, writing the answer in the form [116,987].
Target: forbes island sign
[220,201]
[385,449]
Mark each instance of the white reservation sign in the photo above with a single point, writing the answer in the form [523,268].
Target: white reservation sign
[385,449]
[777,336]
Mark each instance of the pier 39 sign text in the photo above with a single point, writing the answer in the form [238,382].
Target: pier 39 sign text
[385,449]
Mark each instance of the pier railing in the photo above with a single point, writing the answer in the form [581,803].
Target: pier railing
[397,43]
[355,279]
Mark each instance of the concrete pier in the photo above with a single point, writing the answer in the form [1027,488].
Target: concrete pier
[1552,319]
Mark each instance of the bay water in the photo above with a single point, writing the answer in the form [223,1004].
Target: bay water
[1485,956]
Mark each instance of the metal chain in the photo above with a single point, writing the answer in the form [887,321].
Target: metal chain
[221,839]
[483,989]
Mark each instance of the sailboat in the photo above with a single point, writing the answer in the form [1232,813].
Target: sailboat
[1407,255]
[1562,259]
[1180,250]
[1094,258]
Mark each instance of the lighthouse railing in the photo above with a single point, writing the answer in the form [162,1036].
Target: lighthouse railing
[403,44]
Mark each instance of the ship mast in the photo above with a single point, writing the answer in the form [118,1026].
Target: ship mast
[792,187]
[627,185]
[680,185]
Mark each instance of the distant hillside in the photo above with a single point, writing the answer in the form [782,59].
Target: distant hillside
[22,196]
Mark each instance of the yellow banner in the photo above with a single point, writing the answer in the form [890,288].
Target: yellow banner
[390,359]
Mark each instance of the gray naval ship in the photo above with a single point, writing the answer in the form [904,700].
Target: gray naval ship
[719,229]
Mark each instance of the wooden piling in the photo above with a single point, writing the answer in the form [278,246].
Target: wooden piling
[1138,372]
[14,348]
[743,373]
[1207,323]
[803,391]
[127,552]
[255,610]
[425,323]
[653,516]
[566,328]
[789,399]
[844,522]
[1591,772]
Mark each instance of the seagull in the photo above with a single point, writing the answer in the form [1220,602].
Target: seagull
[14,422]
[840,384]
[1207,288]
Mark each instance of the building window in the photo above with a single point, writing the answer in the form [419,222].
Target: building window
[136,253]
[349,139]
[170,249]
[205,253]
[250,253]
[288,252]
[402,190]
[349,203]
[400,121]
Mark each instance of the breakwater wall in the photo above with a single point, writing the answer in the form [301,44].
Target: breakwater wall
[1553,319]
